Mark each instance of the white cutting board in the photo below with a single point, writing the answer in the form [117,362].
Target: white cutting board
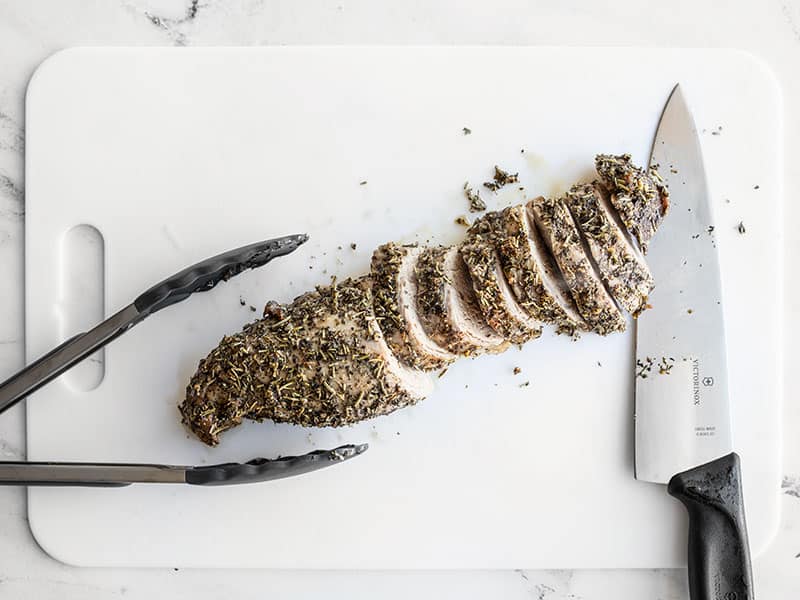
[175,155]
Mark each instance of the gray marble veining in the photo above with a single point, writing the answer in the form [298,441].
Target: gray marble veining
[30,31]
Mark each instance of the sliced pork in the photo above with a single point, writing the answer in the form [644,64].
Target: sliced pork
[641,198]
[360,349]
[394,292]
[495,298]
[529,268]
[621,264]
[560,231]
[448,307]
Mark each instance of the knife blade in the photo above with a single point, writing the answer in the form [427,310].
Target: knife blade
[683,417]
[682,409]
[78,474]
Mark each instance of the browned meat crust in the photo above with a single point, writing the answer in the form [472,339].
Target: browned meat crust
[495,298]
[621,266]
[561,233]
[448,307]
[394,291]
[641,198]
[529,268]
[320,361]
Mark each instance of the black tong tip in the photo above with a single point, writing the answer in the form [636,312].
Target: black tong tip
[206,274]
[266,469]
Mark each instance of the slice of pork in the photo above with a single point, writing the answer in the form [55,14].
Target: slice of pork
[394,293]
[641,198]
[529,268]
[559,230]
[320,361]
[495,297]
[621,265]
[447,306]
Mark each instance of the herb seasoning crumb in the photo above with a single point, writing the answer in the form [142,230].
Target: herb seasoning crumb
[689,311]
[442,372]
[740,228]
[710,229]
[466,130]
[242,302]
[526,384]
[755,187]
[476,203]
[253,308]
[599,364]
[665,366]
[363,182]
[644,367]
[353,246]
[462,220]
[517,370]
[501,178]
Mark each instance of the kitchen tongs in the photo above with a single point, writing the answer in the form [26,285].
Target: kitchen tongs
[200,277]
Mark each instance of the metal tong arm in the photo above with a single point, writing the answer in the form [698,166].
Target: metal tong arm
[200,277]
[60,359]
[83,474]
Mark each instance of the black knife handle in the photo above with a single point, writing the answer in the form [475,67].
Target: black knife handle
[206,274]
[719,554]
[265,469]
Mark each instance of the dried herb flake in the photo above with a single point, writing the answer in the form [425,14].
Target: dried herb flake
[501,178]
[476,203]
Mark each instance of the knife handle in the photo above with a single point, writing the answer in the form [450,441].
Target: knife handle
[719,555]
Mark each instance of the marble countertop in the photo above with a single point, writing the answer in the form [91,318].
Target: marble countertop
[30,31]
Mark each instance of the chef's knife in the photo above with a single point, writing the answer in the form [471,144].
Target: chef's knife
[683,420]
[200,277]
[122,474]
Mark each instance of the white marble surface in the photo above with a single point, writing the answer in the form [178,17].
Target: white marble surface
[30,31]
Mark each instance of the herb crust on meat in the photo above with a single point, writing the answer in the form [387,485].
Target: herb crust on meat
[366,347]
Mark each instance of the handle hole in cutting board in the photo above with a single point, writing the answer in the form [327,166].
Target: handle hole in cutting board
[82,299]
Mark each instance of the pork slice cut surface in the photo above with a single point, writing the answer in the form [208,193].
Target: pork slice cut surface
[621,264]
[496,299]
[394,291]
[529,268]
[560,232]
[448,308]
